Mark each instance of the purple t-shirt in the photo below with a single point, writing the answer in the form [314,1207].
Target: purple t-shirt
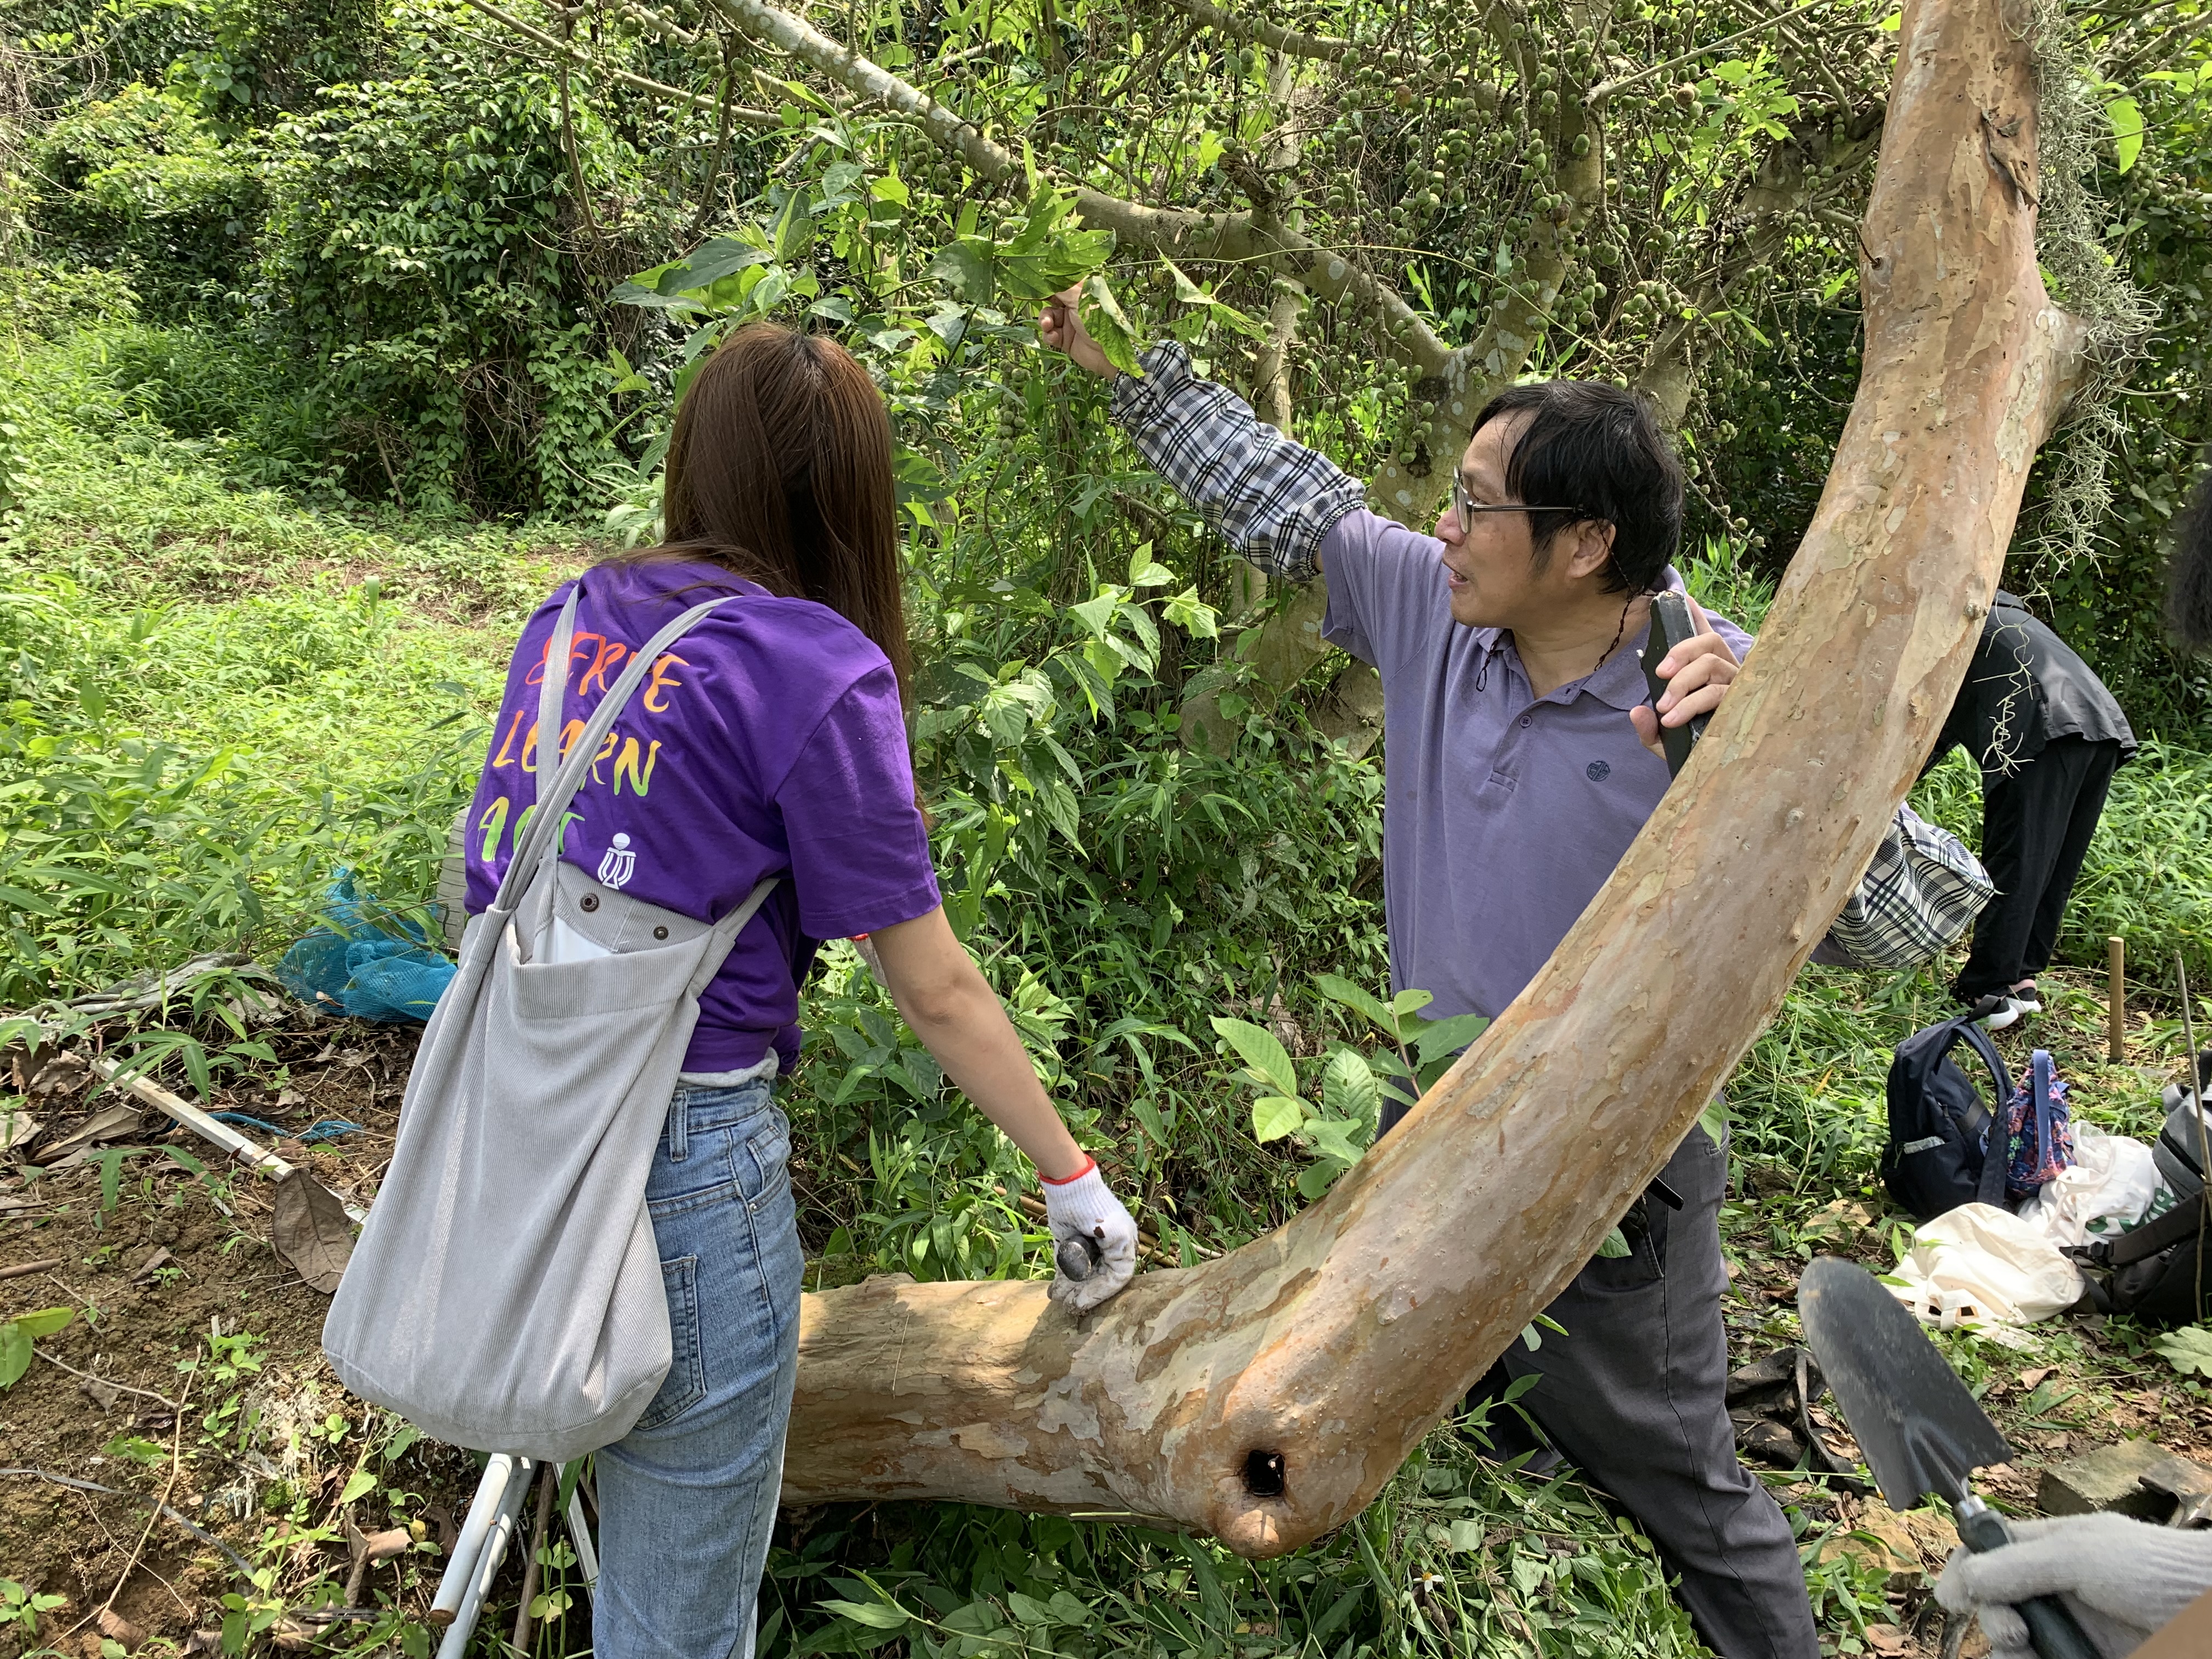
[1503,812]
[768,741]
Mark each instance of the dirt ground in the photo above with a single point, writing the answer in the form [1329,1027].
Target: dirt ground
[191,1372]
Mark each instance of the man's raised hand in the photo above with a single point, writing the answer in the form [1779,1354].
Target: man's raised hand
[1060,325]
[1698,671]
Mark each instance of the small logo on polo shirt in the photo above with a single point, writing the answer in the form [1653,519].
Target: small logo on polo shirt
[1597,771]
[619,865]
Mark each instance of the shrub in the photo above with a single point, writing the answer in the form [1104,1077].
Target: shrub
[145,186]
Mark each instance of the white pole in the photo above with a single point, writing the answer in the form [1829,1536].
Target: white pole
[485,1568]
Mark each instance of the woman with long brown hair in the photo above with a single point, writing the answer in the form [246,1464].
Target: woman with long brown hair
[768,742]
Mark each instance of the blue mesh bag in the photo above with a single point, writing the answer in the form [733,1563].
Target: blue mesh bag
[366,960]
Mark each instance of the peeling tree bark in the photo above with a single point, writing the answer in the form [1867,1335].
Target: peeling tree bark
[1337,1340]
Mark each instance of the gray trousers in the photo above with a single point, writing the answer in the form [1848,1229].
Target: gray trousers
[1634,1395]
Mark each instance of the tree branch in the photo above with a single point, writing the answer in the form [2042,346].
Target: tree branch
[1325,48]
[1181,234]
[753,117]
[1598,95]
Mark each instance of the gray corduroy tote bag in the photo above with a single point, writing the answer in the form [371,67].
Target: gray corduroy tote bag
[507,1294]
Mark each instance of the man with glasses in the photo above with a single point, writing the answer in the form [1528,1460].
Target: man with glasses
[1521,759]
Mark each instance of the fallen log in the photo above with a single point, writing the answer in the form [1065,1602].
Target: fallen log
[1266,1396]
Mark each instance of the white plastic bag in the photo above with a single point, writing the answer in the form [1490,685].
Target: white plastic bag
[1979,1265]
[2110,1184]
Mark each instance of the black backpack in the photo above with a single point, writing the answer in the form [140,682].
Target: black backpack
[2159,1273]
[1946,1146]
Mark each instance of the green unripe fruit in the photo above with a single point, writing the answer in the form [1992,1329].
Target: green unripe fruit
[1582,145]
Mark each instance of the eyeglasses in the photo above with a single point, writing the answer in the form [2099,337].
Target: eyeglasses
[1467,507]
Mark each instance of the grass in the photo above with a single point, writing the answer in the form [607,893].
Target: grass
[213,692]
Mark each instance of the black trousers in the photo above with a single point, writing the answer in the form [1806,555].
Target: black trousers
[2036,826]
[1635,1394]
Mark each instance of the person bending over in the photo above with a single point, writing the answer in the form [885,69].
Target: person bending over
[2048,737]
[1521,761]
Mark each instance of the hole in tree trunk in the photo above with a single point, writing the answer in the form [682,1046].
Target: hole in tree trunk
[1263,1474]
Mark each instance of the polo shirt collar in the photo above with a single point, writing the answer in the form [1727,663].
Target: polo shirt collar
[1618,681]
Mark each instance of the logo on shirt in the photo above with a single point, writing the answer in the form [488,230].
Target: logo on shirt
[619,865]
[1596,772]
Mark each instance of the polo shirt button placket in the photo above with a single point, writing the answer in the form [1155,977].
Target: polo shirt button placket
[1527,720]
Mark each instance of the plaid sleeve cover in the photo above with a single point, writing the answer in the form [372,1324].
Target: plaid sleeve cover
[1275,500]
[1917,897]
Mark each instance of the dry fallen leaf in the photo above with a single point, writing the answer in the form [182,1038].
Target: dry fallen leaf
[107,1124]
[152,1265]
[114,1627]
[310,1230]
[203,1641]
[1887,1638]
[2029,1379]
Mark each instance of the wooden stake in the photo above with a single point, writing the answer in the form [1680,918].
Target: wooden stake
[547,1484]
[2116,998]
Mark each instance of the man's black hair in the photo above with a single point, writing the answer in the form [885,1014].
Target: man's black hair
[2188,571]
[1596,449]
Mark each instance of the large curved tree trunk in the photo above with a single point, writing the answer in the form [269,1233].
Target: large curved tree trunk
[1336,1341]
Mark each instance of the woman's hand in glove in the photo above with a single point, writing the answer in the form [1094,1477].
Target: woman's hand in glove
[2122,1580]
[1090,1229]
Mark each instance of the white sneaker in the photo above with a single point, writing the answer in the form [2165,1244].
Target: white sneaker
[2028,1001]
[1995,1011]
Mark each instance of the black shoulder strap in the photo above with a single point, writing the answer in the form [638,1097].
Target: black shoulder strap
[1987,1127]
[2140,1243]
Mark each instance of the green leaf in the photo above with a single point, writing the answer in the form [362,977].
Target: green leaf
[1109,325]
[1714,1121]
[1192,614]
[1190,294]
[360,1485]
[964,267]
[874,1614]
[45,1322]
[1027,1611]
[1096,613]
[1446,1037]
[1048,254]
[2188,1349]
[1362,1002]
[1465,1535]
[1332,1138]
[1274,1116]
[1613,1246]
[15,1354]
[1258,1047]
[136,1448]
[1348,1088]
[2127,119]
[1068,1610]
[1411,1002]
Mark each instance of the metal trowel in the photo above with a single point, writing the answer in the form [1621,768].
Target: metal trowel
[1921,1431]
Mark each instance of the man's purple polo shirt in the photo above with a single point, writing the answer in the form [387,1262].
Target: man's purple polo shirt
[1504,813]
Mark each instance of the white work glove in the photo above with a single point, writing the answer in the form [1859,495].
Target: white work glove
[1080,1208]
[2123,1580]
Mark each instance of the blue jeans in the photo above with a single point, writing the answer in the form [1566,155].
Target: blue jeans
[688,1499]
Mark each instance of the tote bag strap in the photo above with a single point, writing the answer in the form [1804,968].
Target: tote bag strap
[2039,1086]
[540,842]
